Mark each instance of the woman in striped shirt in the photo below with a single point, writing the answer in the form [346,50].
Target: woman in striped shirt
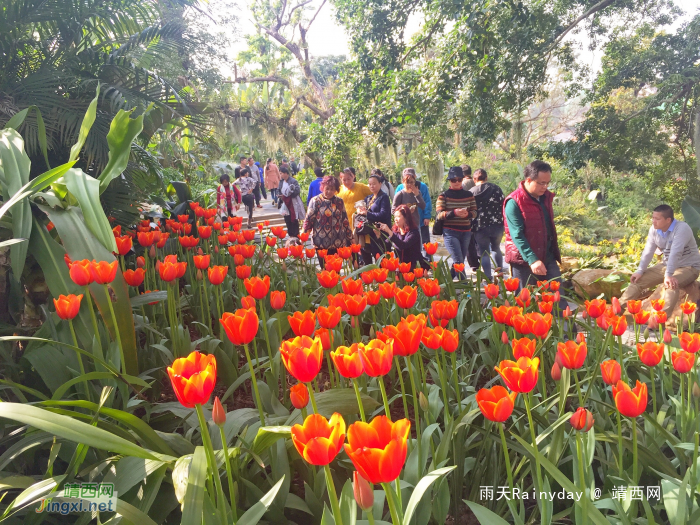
[456,207]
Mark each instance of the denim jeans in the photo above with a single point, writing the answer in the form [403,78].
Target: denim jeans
[488,242]
[273,195]
[526,277]
[457,244]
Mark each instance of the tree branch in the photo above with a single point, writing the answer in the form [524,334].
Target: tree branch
[315,15]
[420,42]
[598,7]
[244,80]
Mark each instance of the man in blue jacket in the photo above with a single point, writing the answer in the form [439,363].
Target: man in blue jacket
[424,214]
[315,186]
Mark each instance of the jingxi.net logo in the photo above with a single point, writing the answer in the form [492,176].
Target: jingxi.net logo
[80,497]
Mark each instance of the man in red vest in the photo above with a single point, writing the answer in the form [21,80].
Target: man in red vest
[532,249]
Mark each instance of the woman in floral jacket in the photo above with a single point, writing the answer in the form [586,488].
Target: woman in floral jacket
[327,219]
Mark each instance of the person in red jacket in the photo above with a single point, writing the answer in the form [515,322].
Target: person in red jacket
[532,249]
[228,197]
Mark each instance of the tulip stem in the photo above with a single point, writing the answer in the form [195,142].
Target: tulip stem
[93,318]
[526,398]
[312,397]
[578,388]
[267,337]
[392,504]
[333,496]
[653,389]
[380,380]
[283,370]
[581,475]
[116,328]
[458,394]
[506,455]
[211,458]
[359,399]
[416,410]
[619,442]
[229,475]
[207,313]
[635,464]
[255,385]
[80,360]
[403,388]
[441,373]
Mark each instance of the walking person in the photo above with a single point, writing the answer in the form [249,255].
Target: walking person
[246,184]
[243,165]
[315,186]
[532,248]
[456,207]
[327,220]
[257,172]
[426,213]
[351,191]
[228,197]
[410,195]
[271,175]
[292,208]
[680,264]
[377,211]
[488,225]
[387,187]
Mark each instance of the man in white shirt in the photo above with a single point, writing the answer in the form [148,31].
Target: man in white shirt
[681,260]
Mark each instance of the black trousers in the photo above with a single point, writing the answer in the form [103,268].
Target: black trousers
[249,203]
[473,258]
[292,226]
[256,192]
[374,247]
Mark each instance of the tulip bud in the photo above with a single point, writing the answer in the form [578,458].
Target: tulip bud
[696,390]
[667,337]
[582,420]
[152,251]
[284,266]
[423,401]
[299,395]
[200,252]
[567,312]
[140,262]
[218,414]
[504,338]
[653,323]
[557,360]
[616,308]
[584,314]
[580,337]
[646,333]
[199,275]
[556,372]
[216,249]
[557,297]
[372,332]
[362,489]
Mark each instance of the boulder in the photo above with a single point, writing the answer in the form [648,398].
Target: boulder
[688,293]
[590,283]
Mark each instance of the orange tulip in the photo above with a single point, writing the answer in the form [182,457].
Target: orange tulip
[596,307]
[689,342]
[257,287]
[67,306]
[642,317]
[218,413]
[378,448]
[430,287]
[459,267]
[103,272]
[145,238]
[377,357]
[242,326]
[430,247]
[406,297]
[539,324]
[582,420]
[243,271]
[661,317]
[302,357]
[630,402]
[511,284]
[217,274]
[419,272]
[688,307]
[500,314]
[380,274]
[124,244]
[282,253]
[520,376]
[450,340]
[444,309]
[319,440]
[333,263]
[650,353]
[310,253]
[407,336]
[523,298]
[201,262]
[355,304]
[367,277]
[388,290]
[248,302]
[658,304]
[134,277]
[682,361]
[337,300]
[345,252]
[168,270]
[611,371]
[302,323]
[618,324]
[328,279]
[372,297]
[277,299]
[496,403]
[492,291]
[325,335]
[297,251]
[299,395]
[352,287]
[523,347]
[193,378]
[633,306]
[432,337]
[572,355]
[80,272]
[328,317]
[348,361]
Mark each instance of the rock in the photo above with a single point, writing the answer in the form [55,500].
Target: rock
[590,283]
[689,293]
[568,263]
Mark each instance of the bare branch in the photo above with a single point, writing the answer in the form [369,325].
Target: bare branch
[315,15]
[598,7]
[420,42]
[244,80]
[298,6]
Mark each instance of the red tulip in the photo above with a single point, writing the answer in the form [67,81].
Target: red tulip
[611,371]
[243,271]
[555,372]
[572,355]
[596,307]
[355,304]
[376,357]
[277,299]
[689,342]
[582,420]
[523,298]
[248,302]
[348,361]
[682,361]
[302,357]
[520,376]
[378,448]
[103,272]
[328,279]
[650,353]
[406,297]
[201,262]
[372,297]
[496,403]
[352,287]
[218,413]
[430,287]
[450,340]
[328,317]
[363,492]
[630,402]
[124,244]
[80,272]
[193,378]
[319,440]
[511,284]
[688,307]
[299,395]
[67,306]
[538,324]
[217,274]
[407,335]
[492,291]
[302,323]
[641,317]
[523,347]
[633,306]
[658,304]
[388,290]
[430,247]
[257,287]
[134,277]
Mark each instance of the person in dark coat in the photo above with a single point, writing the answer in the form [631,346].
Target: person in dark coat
[377,210]
[405,236]
[488,229]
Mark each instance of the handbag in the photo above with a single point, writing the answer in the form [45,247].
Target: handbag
[438,227]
